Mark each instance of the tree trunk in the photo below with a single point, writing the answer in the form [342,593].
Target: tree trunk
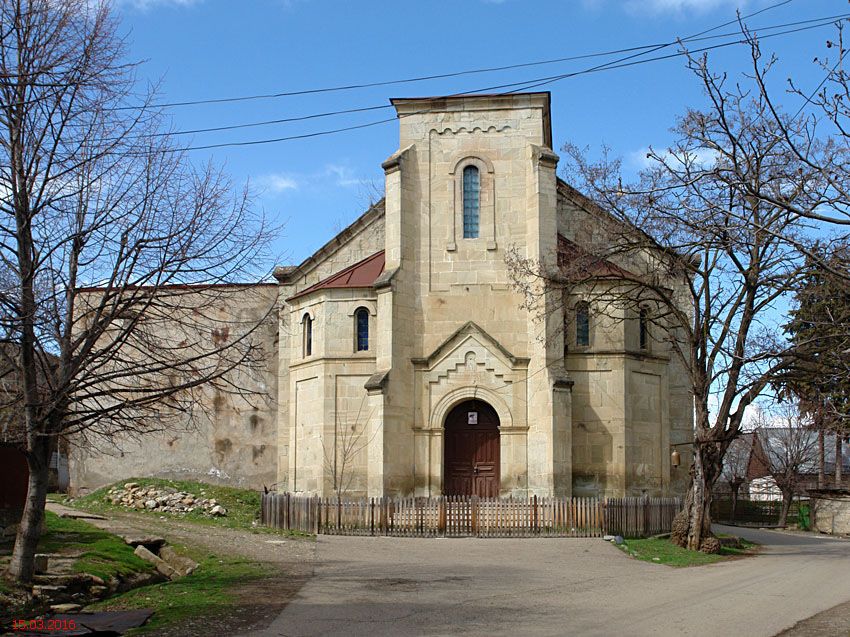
[23,557]
[838,460]
[787,496]
[696,514]
[821,459]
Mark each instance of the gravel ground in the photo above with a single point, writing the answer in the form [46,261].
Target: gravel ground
[834,622]
[258,601]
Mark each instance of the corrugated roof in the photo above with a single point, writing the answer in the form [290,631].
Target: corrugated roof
[360,275]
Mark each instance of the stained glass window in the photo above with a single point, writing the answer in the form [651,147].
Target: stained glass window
[582,324]
[471,201]
[307,325]
[362,319]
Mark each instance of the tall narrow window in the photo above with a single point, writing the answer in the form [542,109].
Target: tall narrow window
[582,324]
[471,202]
[644,328]
[307,333]
[361,320]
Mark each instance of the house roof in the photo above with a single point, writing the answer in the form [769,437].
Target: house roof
[569,252]
[773,439]
[362,274]
[288,273]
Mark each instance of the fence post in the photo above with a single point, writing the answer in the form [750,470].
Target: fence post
[603,515]
[318,517]
[535,523]
[287,512]
[441,516]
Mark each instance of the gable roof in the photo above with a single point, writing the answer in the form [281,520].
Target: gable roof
[570,251]
[287,274]
[362,274]
[470,328]
[773,439]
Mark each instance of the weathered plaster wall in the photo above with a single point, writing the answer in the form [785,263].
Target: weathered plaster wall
[229,438]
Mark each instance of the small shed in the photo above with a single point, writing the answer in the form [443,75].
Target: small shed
[831,511]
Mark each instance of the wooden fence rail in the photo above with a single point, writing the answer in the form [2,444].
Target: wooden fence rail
[464,516]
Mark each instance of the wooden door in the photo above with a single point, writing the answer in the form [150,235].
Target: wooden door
[472,450]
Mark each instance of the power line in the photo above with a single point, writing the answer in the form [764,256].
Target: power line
[424,78]
[213,129]
[514,86]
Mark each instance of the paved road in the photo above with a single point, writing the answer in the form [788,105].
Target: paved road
[397,586]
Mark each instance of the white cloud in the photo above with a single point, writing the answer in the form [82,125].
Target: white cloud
[277,183]
[680,6]
[343,174]
[144,5]
[332,175]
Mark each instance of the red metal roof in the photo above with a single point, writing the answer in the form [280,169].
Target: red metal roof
[360,275]
[570,255]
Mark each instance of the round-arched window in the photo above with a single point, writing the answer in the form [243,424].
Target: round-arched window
[361,327]
[307,335]
[471,201]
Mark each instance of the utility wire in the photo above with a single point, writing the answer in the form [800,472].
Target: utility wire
[513,86]
[424,78]
[214,129]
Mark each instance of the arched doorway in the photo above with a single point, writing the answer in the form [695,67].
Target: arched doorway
[471,456]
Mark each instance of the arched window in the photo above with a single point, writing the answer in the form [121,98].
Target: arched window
[582,324]
[644,328]
[471,201]
[361,325]
[307,335]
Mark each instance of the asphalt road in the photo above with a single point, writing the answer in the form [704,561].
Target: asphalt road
[397,586]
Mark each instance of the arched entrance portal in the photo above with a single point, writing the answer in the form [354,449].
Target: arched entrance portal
[471,458]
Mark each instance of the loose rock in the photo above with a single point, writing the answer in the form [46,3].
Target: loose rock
[163,500]
[160,564]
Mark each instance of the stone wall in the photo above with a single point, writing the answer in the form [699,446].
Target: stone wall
[300,437]
[229,438]
[831,513]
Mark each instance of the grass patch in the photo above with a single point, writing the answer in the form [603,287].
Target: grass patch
[102,553]
[663,551]
[204,593]
[243,505]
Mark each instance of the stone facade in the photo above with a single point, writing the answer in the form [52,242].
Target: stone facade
[445,327]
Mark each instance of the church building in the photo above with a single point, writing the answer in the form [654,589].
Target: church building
[403,361]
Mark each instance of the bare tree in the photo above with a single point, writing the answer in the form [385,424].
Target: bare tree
[736,462]
[788,448]
[351,437]
[689,250]
[93,192]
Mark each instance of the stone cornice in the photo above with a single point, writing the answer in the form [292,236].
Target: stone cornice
[468,328]
[377,382]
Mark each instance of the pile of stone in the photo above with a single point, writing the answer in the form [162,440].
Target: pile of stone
[166,500]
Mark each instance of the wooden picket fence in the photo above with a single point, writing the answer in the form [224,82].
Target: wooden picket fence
[465,516]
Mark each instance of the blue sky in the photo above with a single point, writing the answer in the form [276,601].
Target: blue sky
[197,49]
